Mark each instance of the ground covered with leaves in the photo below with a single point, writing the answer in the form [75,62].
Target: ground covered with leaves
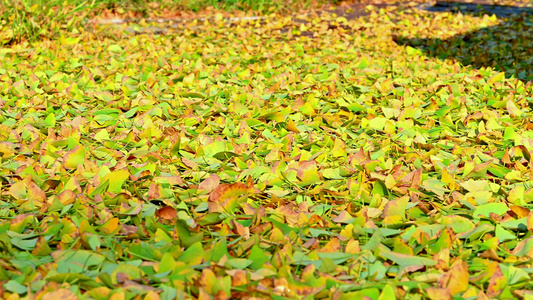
[276,158]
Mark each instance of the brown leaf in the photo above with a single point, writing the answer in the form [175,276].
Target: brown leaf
[491,254]
[221,295]
[128,230]
[412,179]
[495,217]
[512,109]
[312,243]
[281,287]
[154,192]
[189,163]
[250,182]
[506,158]
[130,284]
[442,259]
[529,221]
[210,183]
[122,277]
[203,294]
[239,229]
[166,213]
[263,227]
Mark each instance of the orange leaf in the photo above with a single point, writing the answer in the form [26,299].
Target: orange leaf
[226,191]
[333,245]
[529,222]
[438,294]
[239,278]
[353,247]
[226,197]
[67,197]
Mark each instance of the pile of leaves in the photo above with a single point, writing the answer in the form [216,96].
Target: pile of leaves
[276,158]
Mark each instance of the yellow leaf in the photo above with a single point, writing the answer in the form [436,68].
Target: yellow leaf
[308,172]
[188,80]
[512,109]
[110,226]
[353,246]
[61,294]
[339,149]
[448,179]
[498,77]
[497,283]
[6,149]
[394,211]
[456,279]
[438,293]
[116,180]
[74,157]
[292,127]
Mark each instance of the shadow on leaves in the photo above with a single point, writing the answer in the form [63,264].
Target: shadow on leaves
[507,47]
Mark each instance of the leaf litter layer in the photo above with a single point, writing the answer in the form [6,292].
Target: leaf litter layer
[254,162]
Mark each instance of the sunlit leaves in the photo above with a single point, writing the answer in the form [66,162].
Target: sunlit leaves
[263,161]
[74,157]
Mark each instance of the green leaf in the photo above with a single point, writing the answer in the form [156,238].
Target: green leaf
[132,272]
[258,258]
[363,63]
[504,235]
[15,287]
[239,263]
[486,209]
[406,260]
[115,48]
[193,255]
